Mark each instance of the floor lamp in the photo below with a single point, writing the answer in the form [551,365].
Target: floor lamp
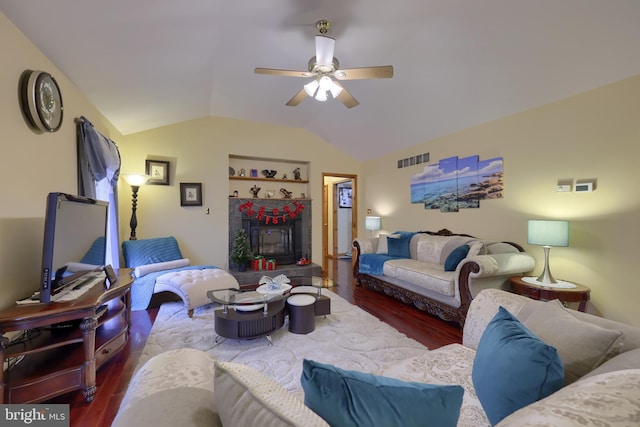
[135,181]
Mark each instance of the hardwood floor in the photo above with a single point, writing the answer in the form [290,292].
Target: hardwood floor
[113,378]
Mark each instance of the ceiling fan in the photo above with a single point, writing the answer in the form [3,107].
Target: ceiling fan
[325,69]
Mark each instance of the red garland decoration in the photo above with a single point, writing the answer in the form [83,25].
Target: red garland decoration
[290,210]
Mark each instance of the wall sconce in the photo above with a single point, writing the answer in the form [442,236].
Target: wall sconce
[547,234]
[372,223]
[135,181]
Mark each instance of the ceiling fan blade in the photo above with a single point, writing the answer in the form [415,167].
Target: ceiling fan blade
[324,50]
[346,98]
[297,98]
[380,72]
[288,73]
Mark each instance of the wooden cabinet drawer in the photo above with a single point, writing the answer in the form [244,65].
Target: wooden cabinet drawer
[46,387]
[111,348]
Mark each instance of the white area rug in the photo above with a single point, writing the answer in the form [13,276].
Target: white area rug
[349,338]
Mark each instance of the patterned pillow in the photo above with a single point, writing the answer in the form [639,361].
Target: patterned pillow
[249,397]
[609,399]
[150,251]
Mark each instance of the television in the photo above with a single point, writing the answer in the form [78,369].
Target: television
[74,244]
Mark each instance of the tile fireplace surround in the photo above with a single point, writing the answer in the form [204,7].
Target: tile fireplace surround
[235,220]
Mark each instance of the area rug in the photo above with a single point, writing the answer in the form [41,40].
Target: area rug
[349,338]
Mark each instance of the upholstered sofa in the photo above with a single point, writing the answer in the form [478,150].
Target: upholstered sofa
[600,357]
[438,272]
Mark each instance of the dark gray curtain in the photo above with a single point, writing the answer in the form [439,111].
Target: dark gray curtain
[98,171]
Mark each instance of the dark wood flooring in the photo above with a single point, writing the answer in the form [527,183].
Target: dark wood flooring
[113,378]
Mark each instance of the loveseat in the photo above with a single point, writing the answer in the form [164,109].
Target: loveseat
[438,272]
[601,370]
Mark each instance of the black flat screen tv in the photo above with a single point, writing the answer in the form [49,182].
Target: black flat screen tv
[75,231]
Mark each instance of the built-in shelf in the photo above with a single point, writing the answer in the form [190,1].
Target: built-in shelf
[249,178]
[246,171]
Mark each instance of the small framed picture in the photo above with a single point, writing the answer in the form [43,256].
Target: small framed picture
[254,173]
[344,197]
[399,163]
[157,171]
[190,194]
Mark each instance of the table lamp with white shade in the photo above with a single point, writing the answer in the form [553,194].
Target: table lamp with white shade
[372,223]
[547,233]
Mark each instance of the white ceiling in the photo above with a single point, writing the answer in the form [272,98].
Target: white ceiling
[457,63]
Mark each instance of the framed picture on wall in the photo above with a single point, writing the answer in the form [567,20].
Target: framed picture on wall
[344,197]
[190,194]
[157,171]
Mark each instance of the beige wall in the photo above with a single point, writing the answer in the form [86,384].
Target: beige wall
[199,152]
[593,135]
[32,164]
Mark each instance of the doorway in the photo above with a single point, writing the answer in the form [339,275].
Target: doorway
[339,217]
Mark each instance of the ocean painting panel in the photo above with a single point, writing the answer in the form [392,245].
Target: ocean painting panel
[468,197]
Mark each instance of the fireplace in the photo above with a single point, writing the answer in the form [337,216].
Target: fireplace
[282,242]
[286,242]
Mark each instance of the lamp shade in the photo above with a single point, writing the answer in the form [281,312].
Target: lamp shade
[548,233]
[135,179]
[372,223]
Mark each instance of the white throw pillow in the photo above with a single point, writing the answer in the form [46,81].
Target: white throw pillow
[246,397]
[159,266]
[383,248]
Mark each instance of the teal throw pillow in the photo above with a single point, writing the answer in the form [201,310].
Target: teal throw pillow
[513,368]
[399,246]
[454,258]
[348,398]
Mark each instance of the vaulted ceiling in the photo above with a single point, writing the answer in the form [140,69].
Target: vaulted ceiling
[457,63]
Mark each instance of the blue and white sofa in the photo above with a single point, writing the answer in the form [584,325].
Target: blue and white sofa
[438,272]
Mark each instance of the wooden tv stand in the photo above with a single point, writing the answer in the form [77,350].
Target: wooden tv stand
[57,361]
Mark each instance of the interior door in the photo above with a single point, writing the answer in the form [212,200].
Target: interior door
[329,201]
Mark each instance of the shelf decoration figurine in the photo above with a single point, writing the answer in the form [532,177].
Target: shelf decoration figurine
[269,173]
[255,190]
[296,174]
[286,194]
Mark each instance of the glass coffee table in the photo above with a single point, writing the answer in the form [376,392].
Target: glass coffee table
[248,314]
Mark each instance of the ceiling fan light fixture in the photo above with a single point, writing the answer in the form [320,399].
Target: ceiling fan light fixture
[311,87]
[321,95]
[335,89]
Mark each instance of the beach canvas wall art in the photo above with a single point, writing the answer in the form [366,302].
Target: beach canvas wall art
[457,183]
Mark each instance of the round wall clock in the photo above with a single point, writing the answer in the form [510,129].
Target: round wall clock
[42,101]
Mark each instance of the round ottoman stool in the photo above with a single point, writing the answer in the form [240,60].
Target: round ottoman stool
[302,313]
